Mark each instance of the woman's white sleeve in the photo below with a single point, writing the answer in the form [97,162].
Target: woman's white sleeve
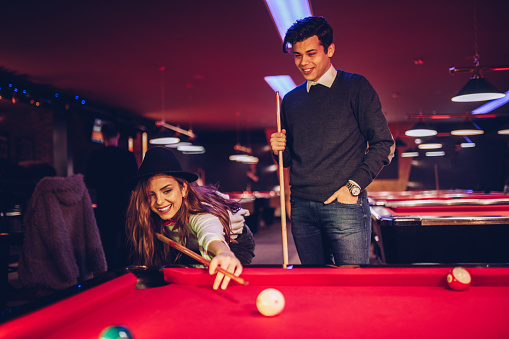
[208,228]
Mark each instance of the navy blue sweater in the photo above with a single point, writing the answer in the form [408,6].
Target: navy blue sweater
[328,133]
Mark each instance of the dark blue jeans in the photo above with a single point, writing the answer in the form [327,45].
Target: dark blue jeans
[335,231]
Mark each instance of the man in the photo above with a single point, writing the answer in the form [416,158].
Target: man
[107,173]
[327,124]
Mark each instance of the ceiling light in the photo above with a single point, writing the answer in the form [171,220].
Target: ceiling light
[467,128]
[478,89]
[504,130]
[433,145]
[467,144]
[286,12]
[164,141]
[411,153]
[190,148]
[163,138]
[182,143]
[242,153]
[244,149]
[435,154]
[420,130]
[244,158]
[492,105]
[177,129]
[280,83]
[195,152]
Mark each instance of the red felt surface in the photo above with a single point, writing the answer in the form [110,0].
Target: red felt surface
[454,210]
[321,302]
[49,320]
[434,195]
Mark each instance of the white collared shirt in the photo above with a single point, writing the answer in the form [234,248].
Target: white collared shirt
[327,79]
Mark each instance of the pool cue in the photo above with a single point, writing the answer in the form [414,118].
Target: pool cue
[198,257]
[282,189]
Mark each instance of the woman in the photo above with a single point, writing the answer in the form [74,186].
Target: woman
[200,218]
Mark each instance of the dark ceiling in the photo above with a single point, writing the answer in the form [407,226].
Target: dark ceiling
[216,53]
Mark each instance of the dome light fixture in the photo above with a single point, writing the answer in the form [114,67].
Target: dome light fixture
[421,130]
[467,128]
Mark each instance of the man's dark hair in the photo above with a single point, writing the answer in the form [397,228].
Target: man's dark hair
[109,131]
[305,28]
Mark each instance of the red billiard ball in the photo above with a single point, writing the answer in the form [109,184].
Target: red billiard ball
[459,279]
[270,302]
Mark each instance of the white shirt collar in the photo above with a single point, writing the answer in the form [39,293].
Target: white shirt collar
[327,79]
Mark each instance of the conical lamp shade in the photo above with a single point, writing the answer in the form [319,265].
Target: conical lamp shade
[478,89]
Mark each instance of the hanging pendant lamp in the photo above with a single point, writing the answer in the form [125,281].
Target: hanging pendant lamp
[477,88]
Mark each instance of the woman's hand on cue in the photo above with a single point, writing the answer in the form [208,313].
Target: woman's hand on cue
[225,259]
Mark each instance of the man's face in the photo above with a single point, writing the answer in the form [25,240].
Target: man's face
[311,59]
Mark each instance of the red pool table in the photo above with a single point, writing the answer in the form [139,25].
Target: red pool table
[388,196]
[471,228]
[367,302]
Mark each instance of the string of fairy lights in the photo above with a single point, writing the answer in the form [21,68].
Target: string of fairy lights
[37,95]
[17,89]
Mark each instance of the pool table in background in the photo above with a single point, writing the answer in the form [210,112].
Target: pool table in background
[262,206]
[322,302]
[448,227]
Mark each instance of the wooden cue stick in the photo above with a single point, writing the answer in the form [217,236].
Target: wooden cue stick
[282,189]
[198,257]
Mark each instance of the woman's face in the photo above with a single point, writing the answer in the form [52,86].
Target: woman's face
[166,195]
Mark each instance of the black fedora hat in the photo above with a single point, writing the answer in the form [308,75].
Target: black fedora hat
[159,160]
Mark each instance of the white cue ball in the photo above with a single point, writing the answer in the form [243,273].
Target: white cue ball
[270,302]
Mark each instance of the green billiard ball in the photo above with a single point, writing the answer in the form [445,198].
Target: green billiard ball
[116,332]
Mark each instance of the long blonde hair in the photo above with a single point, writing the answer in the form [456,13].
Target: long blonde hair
[142,223]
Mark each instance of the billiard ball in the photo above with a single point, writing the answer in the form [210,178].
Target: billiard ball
[270,302]
[116,332]
[459,279]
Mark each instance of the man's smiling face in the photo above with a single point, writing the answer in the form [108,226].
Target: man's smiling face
[311,59]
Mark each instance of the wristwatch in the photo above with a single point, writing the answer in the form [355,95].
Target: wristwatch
[354,189]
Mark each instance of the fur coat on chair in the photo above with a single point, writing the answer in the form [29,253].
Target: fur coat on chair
[61,244]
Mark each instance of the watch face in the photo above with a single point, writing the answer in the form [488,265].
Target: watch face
[355,190]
